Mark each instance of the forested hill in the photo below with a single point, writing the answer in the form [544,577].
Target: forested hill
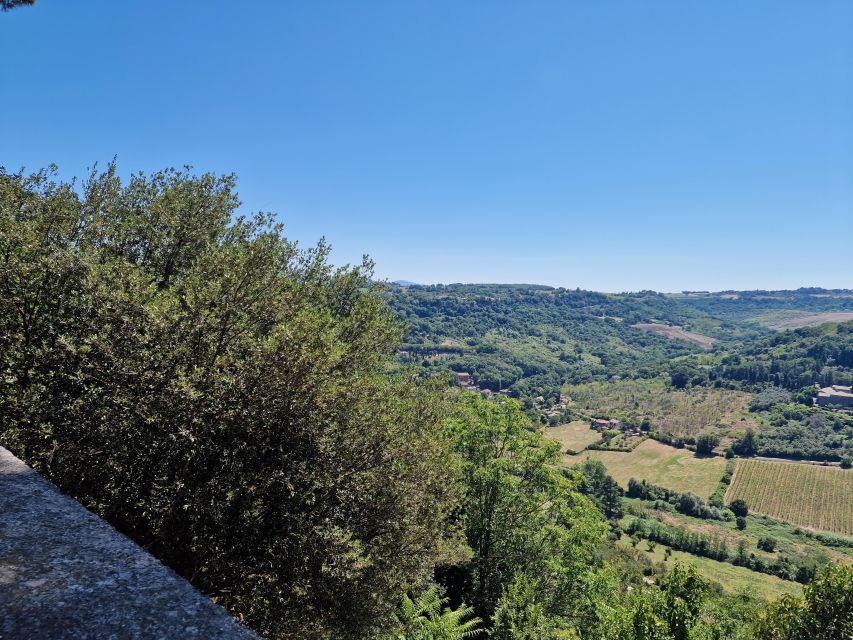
[532,338]
[793,359]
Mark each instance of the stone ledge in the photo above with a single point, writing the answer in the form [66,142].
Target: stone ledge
[66,574]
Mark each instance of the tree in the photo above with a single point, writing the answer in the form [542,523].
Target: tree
[740,523]
[428,618]
[220,396]
[739,508]
[5,5]
[521,515]
[602,488]
[706,443]
[520,616]
[824,611]
[679,378]
[766,543]
[747,445]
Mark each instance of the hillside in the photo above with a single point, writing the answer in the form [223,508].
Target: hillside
[532,339]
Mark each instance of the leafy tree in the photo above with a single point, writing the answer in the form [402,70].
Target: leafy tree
[520,615]
[739,508]
[220,396]
[824,611]
[766,543]
[521,515]
[740,523]
[706,443]
[747,444]
[5,5]
[602,488]
[428,618]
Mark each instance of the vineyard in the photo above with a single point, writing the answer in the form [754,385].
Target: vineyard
[808,495]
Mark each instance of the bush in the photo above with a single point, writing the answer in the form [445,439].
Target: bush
[739,508]
[218,394]
[767,544]
[740,522]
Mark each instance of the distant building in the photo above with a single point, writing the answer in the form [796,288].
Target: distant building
[835,395]
[613,423]
[463,379]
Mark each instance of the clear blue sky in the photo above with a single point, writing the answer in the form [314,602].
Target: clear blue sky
[607,145]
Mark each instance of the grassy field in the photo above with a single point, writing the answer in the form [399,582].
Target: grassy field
[575,435]
[676,333]
[676,469]
[731,577]
[679,413]
[808,495]
[812,320]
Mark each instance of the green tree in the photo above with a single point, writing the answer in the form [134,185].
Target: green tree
[706,443]
[520,616]
[522,516]
[739,507]
[427,618]
[5,5]
[825,611]
[602,488]
[220,396]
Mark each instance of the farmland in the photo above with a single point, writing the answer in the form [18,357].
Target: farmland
[576,435]
[675,412]
[811,496]
[732,578]
[660,464]
[676,333]
[811,320]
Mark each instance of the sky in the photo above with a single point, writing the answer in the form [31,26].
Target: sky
[608,145]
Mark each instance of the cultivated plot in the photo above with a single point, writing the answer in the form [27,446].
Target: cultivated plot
[808,495]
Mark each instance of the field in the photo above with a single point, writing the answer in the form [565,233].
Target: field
[575,435]
[676,333]
[660,464]
[731,577]
[679,413]
[782,320]
[808,495]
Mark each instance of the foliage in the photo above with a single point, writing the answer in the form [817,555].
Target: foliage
[825,610]
[706,443]
[521,515]
[428,618]
[533,339]
[687,503]
[792,359]
[5,5]
[739,507]
[218,395]
[602,488]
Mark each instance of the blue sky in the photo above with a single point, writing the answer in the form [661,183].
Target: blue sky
[607,145]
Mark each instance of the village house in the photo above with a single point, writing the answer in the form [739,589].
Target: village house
[835,395]
[612,423]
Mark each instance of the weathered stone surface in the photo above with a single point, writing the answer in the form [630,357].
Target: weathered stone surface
[67,574]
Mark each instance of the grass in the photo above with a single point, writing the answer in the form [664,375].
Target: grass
[788,542]
[676,412]
[732,578]
[808,495]
[575,435]
[660,464]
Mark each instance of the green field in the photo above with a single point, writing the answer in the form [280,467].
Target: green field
[731,577]
[660,464]
[576,435]
[676,412]
[808,495]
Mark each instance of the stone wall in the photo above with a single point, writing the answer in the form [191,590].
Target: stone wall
[67,574]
